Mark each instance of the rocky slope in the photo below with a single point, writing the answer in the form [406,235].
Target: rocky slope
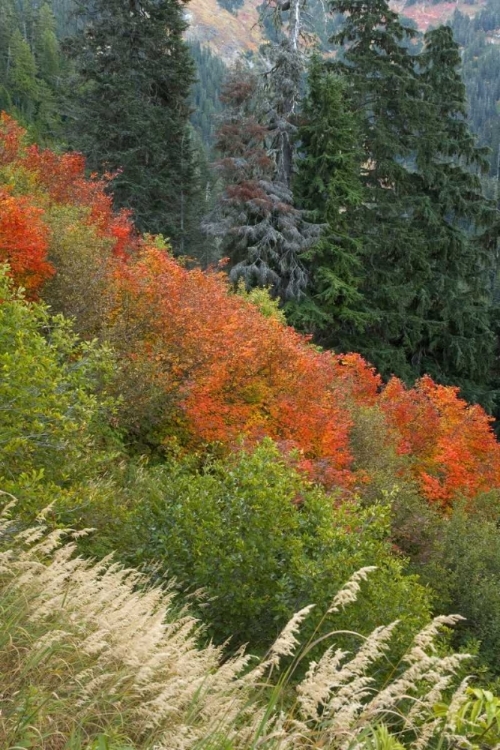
[426,13]
[227,34]
[230,34]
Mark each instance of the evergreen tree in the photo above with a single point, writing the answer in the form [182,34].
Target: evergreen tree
[46,45]
[22,79]
[206,91]
[459,226]
[260,229]
[379,71]
[266,234]
[195,243]
[480,71]
[379,68]
[328,185]
[426,225]
[286,61]
[7,27]
[53,74]
[130,112]
[31,69]
[64,11]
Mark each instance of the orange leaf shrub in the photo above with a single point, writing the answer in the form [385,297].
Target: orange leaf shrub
[11,139]
[84,235]
[233,371]
[201,365]
[60,179]
[63,180]
[359,380]
[454,449]
[24,242]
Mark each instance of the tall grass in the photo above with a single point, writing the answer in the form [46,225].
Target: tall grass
[91,658]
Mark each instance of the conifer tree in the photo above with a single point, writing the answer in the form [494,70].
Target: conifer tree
[205,96]
[65,14]
[459,226]
[21,78]
[266,234]
[31,68]
[130,112]
[7,27]
[194,242]
[261,230]
[46,45]
[379,72]
[286,59]
[328,185]
[427,246]
[282,94]
[52,74]
[379,68]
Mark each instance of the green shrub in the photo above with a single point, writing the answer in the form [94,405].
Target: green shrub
[80,288]
[262,299]
[54,413]
[262,542]
[91,659]
[464,571]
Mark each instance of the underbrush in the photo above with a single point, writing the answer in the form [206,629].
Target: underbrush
[93,658]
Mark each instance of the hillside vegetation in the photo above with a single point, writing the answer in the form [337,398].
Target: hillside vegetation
[218,531]
[95,663]
[426,14]
[226,33]
[195,430]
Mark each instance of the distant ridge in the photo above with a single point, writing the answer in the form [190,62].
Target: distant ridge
[232,34]
[227,34]
[426,13]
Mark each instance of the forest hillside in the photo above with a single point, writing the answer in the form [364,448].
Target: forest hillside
[198,434]
[249,384]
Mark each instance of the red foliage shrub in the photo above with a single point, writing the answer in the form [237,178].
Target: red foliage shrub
[61,179]
[24,242]
[235,372]
[454,449]
[359,380]
[222,369]
[11,139]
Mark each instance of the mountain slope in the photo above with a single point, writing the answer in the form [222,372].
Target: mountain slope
[227,34]
[231,33]
[426,14]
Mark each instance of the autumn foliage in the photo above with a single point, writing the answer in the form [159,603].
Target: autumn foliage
[24,242]
[232,371]
[203,365]
[52,178]
[451,442]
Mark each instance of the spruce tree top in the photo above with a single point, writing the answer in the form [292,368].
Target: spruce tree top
[129,109]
